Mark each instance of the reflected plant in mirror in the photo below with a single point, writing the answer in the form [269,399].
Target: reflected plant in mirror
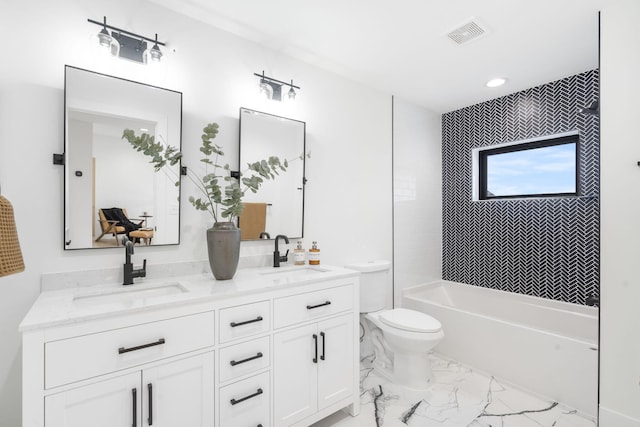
[220,190]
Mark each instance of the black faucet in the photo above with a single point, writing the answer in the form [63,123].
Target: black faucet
[277,259]
[129,272]
[593,300]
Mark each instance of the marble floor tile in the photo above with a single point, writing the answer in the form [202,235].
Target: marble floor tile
[459,397]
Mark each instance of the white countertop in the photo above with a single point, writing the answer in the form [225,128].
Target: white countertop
[68,306]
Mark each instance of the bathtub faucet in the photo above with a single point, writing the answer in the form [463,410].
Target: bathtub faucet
[593,300]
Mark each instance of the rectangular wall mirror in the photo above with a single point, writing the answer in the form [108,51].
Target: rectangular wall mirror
[278,207]
[103,171]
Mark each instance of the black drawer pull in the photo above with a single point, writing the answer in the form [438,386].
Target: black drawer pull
[134,397]
[122,350]
[323,340]
[246,322]
[242,399]
[315,341]
[248,359]
[311,307]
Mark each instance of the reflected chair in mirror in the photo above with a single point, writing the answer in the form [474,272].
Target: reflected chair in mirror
[115,221]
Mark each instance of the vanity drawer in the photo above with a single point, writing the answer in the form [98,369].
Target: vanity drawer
[244,320]
[87,356]
[245,358]
[246,402]
[311,305]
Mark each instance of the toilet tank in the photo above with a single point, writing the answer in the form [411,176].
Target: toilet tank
[375,283]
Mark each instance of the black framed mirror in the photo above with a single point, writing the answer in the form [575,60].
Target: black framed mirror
[103,171]
[278,207]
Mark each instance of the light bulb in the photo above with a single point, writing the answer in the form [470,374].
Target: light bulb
[265,89]
[155,53]
[105,38]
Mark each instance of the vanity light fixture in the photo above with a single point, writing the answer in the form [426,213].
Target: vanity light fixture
[129,45]
[496,82]
[272,88]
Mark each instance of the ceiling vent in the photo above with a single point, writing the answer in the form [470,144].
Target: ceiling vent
[467,32]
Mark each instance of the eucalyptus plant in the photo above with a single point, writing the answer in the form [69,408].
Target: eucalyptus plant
[220,193]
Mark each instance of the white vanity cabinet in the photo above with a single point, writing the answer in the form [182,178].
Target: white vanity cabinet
[313,363]
[170,394]
[280,354]
[142,370]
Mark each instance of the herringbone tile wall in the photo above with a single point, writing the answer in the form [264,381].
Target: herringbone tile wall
[542,247]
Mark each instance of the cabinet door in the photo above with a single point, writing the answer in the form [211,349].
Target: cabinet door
[295,375]
[335,367]
[110,403]
[179,393]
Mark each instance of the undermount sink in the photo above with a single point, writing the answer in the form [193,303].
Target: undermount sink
[129,294]
[295,272]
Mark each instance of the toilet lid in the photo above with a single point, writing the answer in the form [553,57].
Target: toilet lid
[410,320]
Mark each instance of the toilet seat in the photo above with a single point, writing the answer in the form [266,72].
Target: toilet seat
[410,320]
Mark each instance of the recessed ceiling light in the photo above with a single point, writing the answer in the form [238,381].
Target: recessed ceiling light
[144,130]
[496,82]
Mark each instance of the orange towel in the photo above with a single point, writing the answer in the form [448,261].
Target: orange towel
[253,220]
[10,254]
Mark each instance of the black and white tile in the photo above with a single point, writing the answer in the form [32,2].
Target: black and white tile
[549,247]
[459,397]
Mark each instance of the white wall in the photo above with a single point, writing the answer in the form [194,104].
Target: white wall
[80,136]
[348,209]
[620,224]
[417,186]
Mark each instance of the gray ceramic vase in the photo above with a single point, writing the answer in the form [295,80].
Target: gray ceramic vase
[223,242]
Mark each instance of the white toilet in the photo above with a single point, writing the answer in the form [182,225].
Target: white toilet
[410,335]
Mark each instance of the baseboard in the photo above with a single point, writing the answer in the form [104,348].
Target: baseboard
[609,418]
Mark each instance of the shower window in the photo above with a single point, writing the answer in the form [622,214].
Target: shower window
[541,168]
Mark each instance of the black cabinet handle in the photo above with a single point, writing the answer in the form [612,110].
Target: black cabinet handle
[150,396]
[246,322]
[315,341]
[248,359]
[311,307]
[242,399]
[323,339]
[123,350]
[134,397]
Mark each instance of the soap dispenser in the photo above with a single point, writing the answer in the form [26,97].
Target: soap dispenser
[298,254]
[314,254]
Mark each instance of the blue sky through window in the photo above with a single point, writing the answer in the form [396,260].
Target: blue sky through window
[544,170]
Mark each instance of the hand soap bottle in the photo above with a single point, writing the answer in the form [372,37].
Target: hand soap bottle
[298,254]
[314,254]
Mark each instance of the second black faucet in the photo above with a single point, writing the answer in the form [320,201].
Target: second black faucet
[277,259]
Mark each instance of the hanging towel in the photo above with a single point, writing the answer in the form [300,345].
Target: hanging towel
[253,220]
[10,255]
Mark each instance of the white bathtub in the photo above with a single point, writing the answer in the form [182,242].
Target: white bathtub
[545,346]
